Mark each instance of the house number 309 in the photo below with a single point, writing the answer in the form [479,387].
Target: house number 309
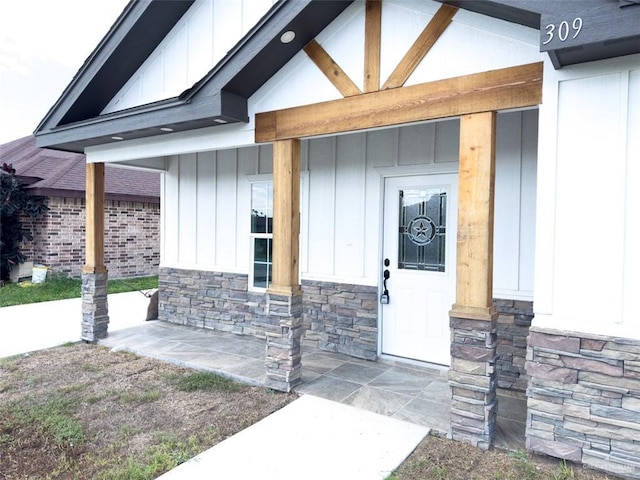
[563,30]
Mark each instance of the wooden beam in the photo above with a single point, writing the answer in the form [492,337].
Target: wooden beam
[513,87]
[427,39]
[286,217]
[474,254]
[372,29]
[331,69]
[94,208]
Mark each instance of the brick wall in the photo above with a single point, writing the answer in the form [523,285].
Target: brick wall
[584,399]
[132,238]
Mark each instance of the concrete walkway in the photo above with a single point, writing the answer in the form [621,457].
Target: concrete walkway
[311,438]
[25,328]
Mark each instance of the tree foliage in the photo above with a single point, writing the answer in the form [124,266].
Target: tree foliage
[15,202]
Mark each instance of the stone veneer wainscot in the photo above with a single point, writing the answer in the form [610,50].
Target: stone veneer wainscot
[514,320]
[337,317]
[584,399]
[342,318]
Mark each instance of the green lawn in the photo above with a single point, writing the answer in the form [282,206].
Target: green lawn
[60,287]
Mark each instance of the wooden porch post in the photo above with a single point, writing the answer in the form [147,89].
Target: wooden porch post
[286,214]
[284,297]
[473,316]
[95,315]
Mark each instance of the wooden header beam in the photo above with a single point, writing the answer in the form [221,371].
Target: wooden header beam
[514,87]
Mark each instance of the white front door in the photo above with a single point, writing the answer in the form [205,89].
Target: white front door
[419,241]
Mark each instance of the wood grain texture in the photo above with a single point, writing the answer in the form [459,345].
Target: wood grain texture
[331,69]
[474,254]
[286,217]
[372,42]
[94,206]
[513,87]
[427,39]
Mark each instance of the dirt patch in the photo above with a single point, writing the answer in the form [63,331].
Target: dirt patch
[82,411]
[443,459]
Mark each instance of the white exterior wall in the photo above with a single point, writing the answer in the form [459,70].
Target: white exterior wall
[588,229]
[208,226]
[201,38]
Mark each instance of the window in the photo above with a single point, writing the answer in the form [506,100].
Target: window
[422,232]
[261,234]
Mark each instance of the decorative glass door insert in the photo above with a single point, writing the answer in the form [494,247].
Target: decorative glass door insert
[422,229]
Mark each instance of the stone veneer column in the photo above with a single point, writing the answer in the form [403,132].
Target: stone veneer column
[95,312]
[473,317]
[284,342]
[473,380]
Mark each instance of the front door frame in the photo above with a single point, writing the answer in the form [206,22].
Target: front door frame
[429,170]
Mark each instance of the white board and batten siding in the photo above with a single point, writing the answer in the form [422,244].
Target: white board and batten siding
[208,226]
[207,207]
[200,39]
[588,260]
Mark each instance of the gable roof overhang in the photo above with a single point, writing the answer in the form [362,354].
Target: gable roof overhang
[74,123]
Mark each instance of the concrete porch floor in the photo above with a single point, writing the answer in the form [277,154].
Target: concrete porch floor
[414,393]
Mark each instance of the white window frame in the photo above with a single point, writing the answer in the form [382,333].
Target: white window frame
[304,193]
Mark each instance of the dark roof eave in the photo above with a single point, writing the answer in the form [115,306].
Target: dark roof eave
[147,121]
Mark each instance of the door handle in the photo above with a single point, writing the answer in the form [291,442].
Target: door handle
[384,298]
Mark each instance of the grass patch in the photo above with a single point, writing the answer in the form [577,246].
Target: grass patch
[132,284]
[167,453]
[563,472]
[60,287]
[140,397]
[190,382]
[51,420]
[526,468]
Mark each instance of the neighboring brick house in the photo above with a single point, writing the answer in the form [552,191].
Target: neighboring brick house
[132,211]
